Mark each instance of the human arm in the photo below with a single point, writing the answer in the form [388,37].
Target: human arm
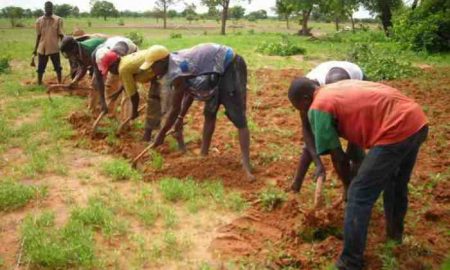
[99,85]
[174,111]
[308,137]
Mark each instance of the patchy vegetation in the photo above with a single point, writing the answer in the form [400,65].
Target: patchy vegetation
[120,169]
[284,47]
[14,195]
[50,247]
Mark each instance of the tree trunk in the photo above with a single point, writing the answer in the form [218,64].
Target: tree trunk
[336,23]
[353,22]
[104,18]
[414,4]
[224,16]
[287,21]
[386,16]
[305,17]
[165,16]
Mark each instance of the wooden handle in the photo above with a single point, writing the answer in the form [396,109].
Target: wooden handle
[318,198]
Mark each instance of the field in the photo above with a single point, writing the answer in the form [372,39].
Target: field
[69,200]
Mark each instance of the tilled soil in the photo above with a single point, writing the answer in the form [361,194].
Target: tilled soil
[293,234]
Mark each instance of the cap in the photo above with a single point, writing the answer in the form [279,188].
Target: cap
[154,53]
[106,61]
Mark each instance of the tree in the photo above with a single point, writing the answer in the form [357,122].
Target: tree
[172,13]
[285,9]
[257,15]
[103,9]
[236,12]
[75,11]
[38,13]
[163,6]
[13,13]
[224,4]
[304,8]
[28,13]
[384,9]
[339,10]
[64,10]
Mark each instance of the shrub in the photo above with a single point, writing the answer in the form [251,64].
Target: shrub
[121,22]
[423,30]
[120,169]
[136,37]
[284,47]
[271,198]
[380,64]
[175,35]
[4,64]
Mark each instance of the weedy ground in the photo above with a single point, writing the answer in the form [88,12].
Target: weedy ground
[68,201]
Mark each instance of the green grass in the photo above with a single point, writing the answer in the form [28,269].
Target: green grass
[200,195]
[14,195]
[271,198]
[156,160]
[99,216]
[389,262]
[120,169]
[46,246]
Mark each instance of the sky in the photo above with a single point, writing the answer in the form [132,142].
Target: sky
[142,5]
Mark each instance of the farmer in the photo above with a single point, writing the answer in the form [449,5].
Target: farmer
[325,73]
[131,70]
[376,117]
[212,73]
[103,56]
[80,53]
[49,30]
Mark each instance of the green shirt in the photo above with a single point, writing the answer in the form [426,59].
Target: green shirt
[91,44]
[323,126]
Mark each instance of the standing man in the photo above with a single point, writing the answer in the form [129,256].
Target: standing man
[376,117]
[48,33]
[323,74]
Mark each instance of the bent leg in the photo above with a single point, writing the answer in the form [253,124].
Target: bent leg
[56,61]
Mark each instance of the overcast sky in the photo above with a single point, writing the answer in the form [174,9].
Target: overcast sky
[142,5]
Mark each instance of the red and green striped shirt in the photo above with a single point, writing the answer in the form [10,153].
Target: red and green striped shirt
[365,113]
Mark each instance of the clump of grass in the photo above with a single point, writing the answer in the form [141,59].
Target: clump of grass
[174,189]
[14,195]
[56,248]
[175,35]
[120,169]
[199,195]
[387,256]
[4,64]
[272,198]
[156,160]
[235,202]
[98,216]
[284,47]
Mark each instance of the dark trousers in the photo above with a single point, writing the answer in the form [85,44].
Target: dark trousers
[387,168]
[232,94]
[43,60]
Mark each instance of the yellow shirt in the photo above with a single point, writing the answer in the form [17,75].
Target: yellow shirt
[50,28]
[130,72]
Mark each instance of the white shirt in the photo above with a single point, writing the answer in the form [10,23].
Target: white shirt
[110,43]
[320,72]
